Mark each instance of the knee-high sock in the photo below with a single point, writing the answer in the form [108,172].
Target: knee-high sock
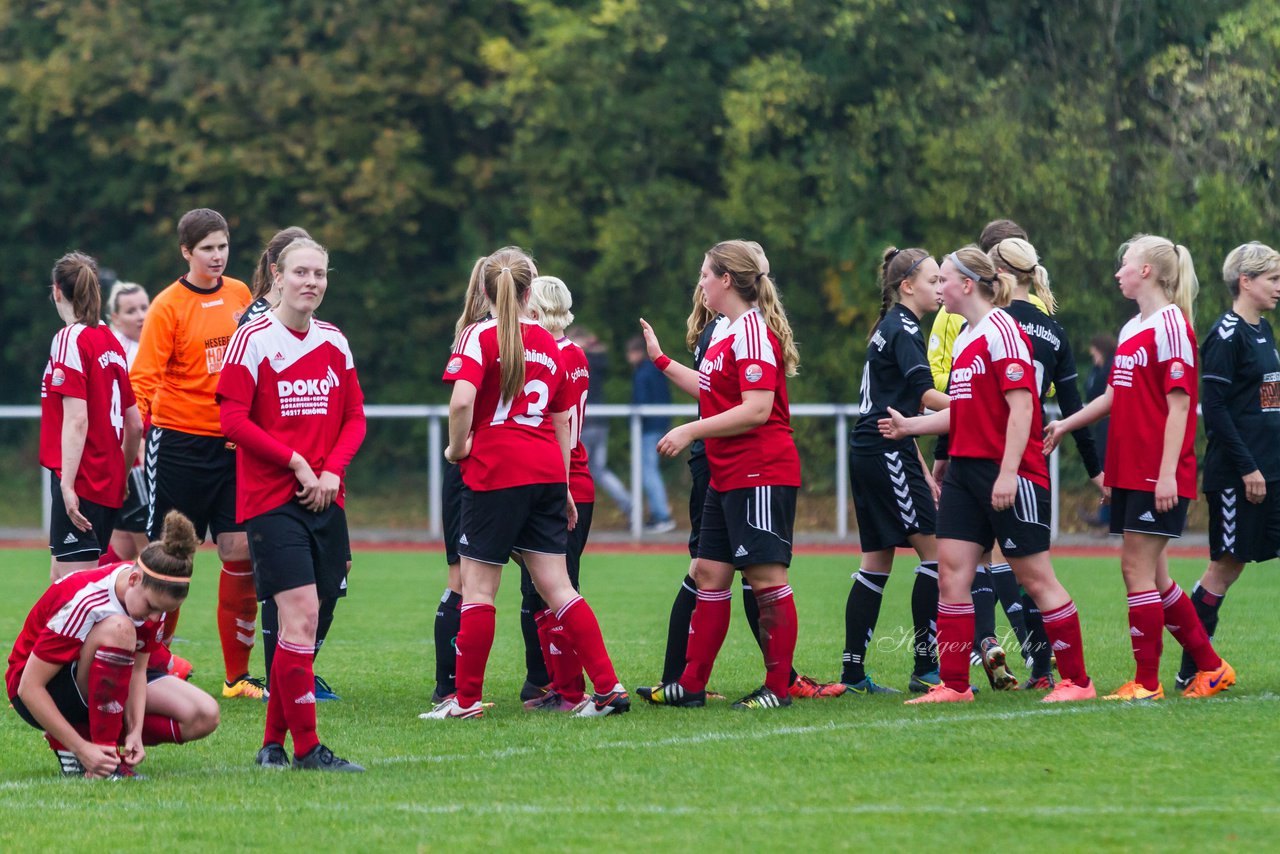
[475,640]
[157,729]
[294,680]
[109,556]
[276,727]
[861,613]
[562,659]
[1207,607]
[448,620]
[325,622]
[751,607]
[579,623]
[955,643]
[1007,592]
[537,668]
[1063,627]
[1038,647]
[984,606]
[707,630]
[237,616]
[108,692]
[924,616]
[270,634]
[1182,622]
[778,631]
[678,630]
[1146,632]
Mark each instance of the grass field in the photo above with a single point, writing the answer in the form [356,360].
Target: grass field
[848,773]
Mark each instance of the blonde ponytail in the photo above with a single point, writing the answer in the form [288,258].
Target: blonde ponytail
[508,275]
[474,304]
[1173,268]
[1185,285]
[775,318]
[698,320]
[1019,257]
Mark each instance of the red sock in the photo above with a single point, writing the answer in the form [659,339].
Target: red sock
[1146,631]
[157,729]
[475,639]
[237,616]
[109,556]
[1062,625]
[544,620]
[1184,624]
[562,661]
[579,623]
[276,727]
[707,629]
[108,691]
[955,643]
[294,679]
[778,630]
[159,658]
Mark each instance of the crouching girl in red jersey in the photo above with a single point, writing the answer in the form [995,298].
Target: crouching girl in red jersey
[78,670]
[509,430]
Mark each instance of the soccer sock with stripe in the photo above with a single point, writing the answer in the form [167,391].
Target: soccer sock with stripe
[984,606]
[158,729]
[536,668]
[1007,591]
[237,616]
[562,660]
[1146,632]
[475,640]
[751,607]
[707,630]
[1207,606]
[270,622]
[955,643]
[924,616]
[861,612]
[294,682]
[109,556]
[448,618]
[109,675]
[325,621]
[778,631]
[678,630]
[583,631]
[1063,627]
[276,727]
[1184,624]
[1038,647]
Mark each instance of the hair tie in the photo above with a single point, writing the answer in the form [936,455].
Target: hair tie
[963,269]
[912,268]
[505,270]
[172,579]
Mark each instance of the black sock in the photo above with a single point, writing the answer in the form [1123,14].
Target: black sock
[984,608]
[752,609]
[924,616]
[678,630]
[448,620]
[1206,605]
[535,665]
[325,621]
[1037,646]
[1006,586]
[861,611]
[269,617]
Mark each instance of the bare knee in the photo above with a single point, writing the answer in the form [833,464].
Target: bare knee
[116,630]
[204,719]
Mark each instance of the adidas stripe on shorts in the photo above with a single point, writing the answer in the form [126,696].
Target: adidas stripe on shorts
[746,527]
[965,512]
[1133,510]
[67,543]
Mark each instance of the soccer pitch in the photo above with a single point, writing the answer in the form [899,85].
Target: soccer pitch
[848,773]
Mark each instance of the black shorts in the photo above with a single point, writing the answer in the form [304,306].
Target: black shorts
[1135,510]
[748,527]
[530,518]
[66,696]
[1248,532]
[69,544]
[700,473]
[451,511]
[292,547]
[193,474]
[965,512]
[891,499]
[133,515]
[573,557]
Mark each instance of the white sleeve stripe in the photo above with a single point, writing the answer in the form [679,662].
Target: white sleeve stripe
[464,338]
[1010,338]
[76,612]
[240,341]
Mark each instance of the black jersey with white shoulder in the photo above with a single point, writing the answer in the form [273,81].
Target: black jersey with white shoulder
[709,333]
[1055,366]
[256,309]
[1240,397]
[896,375]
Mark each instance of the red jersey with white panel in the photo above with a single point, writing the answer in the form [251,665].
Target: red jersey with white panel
[989,359]
[58,625]
[1154,357]
[87,362]
[748,357]
[578,377]
[283,391]
[514,441]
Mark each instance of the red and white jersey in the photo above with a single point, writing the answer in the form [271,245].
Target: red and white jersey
[59,623]
[282,391]
[1153,358]
[578,377]
[989,359]
[86,362]
[129,345]
[748,357]
[514,441]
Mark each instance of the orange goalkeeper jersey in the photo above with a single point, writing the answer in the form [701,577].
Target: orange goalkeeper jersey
[175,373]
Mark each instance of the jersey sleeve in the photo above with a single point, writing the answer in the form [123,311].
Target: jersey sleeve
[354,426]
[1176,354]
[754,357]
[67,360]
[946,327]
[909,353]
[467,360]
[155,348]
[1218,365]
[562,396]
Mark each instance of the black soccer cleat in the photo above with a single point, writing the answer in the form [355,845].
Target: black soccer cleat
[321,758]
[673,694]
[272,756]
[761,698]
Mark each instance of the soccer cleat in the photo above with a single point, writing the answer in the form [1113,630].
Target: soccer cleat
[1067,691]
[1038,683]
[1182,682]
[69,763]
[807,688]
[550,702]
[1134,692]
[940,693]
[529,691]
[323,691]
[125,772]
[321,758]
[761,698]
[673,694]
[923,682]
[272,756]
[615,702]
[246,686]
[1209,682]
[179,666]
[664,527]
[450,709]
[996,666]
[867,686]
[438,696]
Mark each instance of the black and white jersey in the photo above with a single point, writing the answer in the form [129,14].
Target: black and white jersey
[256,309]
[1055,366]
[1240,396]
[896,375]
[711,332]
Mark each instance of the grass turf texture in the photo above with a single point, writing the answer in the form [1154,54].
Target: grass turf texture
[843,773]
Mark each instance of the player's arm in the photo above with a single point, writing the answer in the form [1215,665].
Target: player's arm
[99,760]
[155,349]
[75,427]
[564,436]
[1219,365]
[751,413]
[685,378]
[462,407]
[1175,429]
[1094,410]
[1017,433]
[134,710]
[899,426]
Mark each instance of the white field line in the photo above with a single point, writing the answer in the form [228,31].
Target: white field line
[1225,808]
